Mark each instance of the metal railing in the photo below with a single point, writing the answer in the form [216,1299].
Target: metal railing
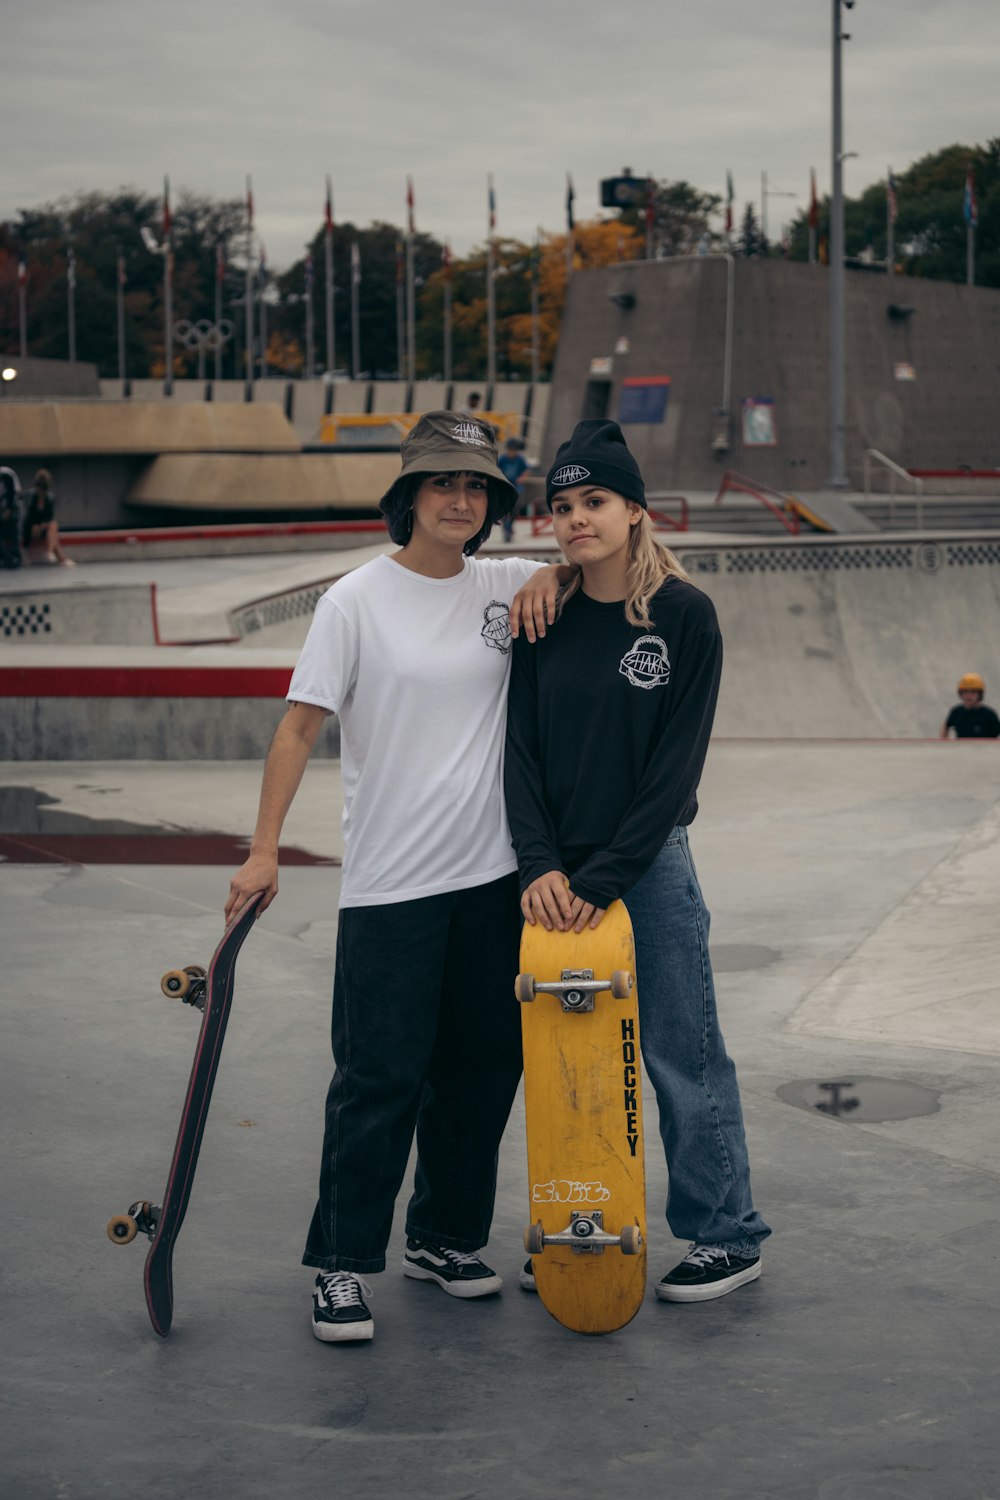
[734,483]
[896,471]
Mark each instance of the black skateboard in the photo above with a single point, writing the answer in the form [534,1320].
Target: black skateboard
[212,993]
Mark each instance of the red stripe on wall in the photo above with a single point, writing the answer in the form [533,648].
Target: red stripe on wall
[144,682]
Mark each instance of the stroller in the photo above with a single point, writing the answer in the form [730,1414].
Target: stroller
[10,519]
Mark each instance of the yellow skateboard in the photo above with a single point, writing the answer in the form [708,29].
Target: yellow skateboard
[583,1112]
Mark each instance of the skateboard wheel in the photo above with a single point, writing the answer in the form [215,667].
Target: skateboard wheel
[534,1238]
[524,988]
[176,983]
[122,1229]
[631,1239]
[621,984]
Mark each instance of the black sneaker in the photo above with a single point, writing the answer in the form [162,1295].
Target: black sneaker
[339,1308]
[707,1271]
[460,1273]
[526,1279]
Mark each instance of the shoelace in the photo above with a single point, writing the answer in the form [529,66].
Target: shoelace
[703,1255]
[344,1288]
[460,1258]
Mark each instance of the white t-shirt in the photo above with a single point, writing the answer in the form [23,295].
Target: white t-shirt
[417,670]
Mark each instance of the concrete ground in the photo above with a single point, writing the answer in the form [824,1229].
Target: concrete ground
[854,889]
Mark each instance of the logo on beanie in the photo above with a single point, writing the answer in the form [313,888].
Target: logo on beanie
[468,432]
[647,665]
[496,626]
[570,474]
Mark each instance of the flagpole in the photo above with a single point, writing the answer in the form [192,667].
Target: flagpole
[491,311]
[168,292]
[535,350]
[447,313]
[71,302]
[400,312]
[890,231]
[813,215]
[355,311]
[220,271]
[310,335]
[331,332]
[262,282]
[650,214]
[22,304]
[570,228]
[120,300]
[411,312]
[248,299]
[970,255]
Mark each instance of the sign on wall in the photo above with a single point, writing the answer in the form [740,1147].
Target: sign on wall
[758,422]
[643,398]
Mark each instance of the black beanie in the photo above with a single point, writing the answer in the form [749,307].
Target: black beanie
[596,454]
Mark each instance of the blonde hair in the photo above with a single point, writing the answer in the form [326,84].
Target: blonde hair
[650,564]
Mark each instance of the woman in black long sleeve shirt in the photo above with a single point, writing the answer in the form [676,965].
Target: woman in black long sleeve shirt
[609,719]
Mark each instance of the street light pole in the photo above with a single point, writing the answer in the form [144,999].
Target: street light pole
[838,479]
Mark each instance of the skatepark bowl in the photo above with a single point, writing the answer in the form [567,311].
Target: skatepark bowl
[851,861]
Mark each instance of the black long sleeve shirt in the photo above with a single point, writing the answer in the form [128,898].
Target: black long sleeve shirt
[607,729]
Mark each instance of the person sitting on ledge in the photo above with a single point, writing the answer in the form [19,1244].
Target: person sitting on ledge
[40,525]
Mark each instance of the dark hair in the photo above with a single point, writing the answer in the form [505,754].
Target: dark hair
[397,507]
[42,480]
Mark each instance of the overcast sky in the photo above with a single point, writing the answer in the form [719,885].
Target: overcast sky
[97,94]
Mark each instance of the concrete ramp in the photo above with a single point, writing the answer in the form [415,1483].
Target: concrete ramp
[861,639]
[111,427]
[116,614]
[264,482]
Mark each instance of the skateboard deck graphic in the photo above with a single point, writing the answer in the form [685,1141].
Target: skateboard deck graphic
[212,992]
[583,1112]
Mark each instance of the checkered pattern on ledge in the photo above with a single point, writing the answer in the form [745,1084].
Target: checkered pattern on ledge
[24,619]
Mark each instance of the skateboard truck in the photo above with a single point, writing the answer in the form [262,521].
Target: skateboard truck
[586,1235]
[142,1218]
[575,988]
[188,984]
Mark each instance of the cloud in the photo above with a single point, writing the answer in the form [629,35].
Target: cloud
[104,94]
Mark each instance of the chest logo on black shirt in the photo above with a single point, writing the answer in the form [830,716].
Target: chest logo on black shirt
[647,665]
[496,626]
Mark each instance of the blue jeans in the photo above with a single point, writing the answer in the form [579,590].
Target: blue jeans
[701,1120]
[427,1039]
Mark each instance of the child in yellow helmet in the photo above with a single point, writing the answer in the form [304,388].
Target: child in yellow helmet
[971,719]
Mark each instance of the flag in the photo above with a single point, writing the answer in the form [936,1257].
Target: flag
[399,263]
[650,204]
[328,208]
[813,200]
[168,222]
[570,196]
[730,195]
[122,278]
[970,211]
[446,260]
[310,273]
[492,201]
[249,206]
[22,272]
[410,220]
[220,262]
[71,268]
[355,264]
[262,275]
[890,196]
[536,255]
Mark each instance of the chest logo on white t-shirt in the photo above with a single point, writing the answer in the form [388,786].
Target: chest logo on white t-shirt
[496,626]
[647,665]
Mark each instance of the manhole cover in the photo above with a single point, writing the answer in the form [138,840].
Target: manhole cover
[870,1101]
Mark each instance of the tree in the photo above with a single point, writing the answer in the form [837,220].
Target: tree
[930,229]
[751,241]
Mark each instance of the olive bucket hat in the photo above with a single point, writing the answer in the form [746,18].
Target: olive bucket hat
[446,442]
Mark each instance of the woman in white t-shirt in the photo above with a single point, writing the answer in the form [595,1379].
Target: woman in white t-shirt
[412,652]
